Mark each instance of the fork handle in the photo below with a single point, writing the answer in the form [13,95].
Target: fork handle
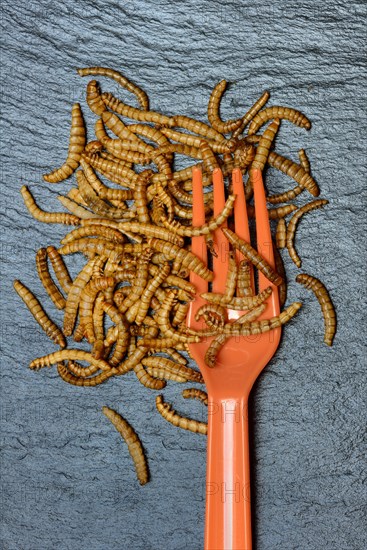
[228,507]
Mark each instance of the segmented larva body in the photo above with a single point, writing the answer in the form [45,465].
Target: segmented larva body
[98,327]
[45,278]
[263,148]
[169,414]
[87,300]
[120,79]
[193,142]
[274,213]
[213,111]
[244,286]
[185,257]
[180,314]
[279,265]
[174,280]
[195,393]
[115,124]
[281,233]
[251,254]
[39,314]
[197,127]
[327,307]
[304,161]
[231,279]
[93,147]
[210,162]
[147,379]
[294,116]
[150,230]
[78,211]
[244,155]
[286,196]
[94,230]
[94,99]
[94,202]
[123,333]
[206,228]
[114,171]
[162,374]
[132,112]
[68,377]
[140,197]
[81,371]
[295,171]
[252,112]
[170,366]
[292,225]
[162,318]
[72,302]
[213,314]
[140,282]
[149,292]
[238,303]
[60,269]
[46,217]
[76,148]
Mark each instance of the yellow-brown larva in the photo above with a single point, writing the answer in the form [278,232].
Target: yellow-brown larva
[118,147]
[72,355]
[185,257]
[149,292]
[174,280]
[150,230]
[304,160]
[120,79]
[295,171]
[197,127]
[140,197]
[251,254]
[163,374]
[115,172]
[140,281]
[263,148]
[133,443]
[327,307]
[243,156]
[100,131]
[213,111]
[126,157]
[115,124]
[210,162]
[81,371]
[94,99]
[149,381]
[46,217]
[162,318]
[244,283]
[238,303]
[60,269]
[132,112]
[98,327]
[180,314]
[206,228]
[123,333]
[94,202]
[216,311]
[231,279]
[171,416]
[92,147]
[94,230]
[46,279]
[70,378]
[274,213]
[39,314]
[72,302]
[252,112]
[195,393]
[76,148]
[294,116]
[281,233]
[286,196]
[173,367]
[86,303]
[292,225]
[279,265]
[193,142]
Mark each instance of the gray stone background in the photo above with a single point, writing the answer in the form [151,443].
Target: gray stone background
[67,479]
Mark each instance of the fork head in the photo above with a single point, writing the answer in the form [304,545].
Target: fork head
[241,359]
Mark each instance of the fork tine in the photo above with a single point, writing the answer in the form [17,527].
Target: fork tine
[198,245]
[221,262]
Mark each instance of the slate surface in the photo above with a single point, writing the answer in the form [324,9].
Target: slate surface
[67,480]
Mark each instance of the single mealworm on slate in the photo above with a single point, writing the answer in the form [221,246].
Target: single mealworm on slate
[46,279]
[294,116]
[46,217]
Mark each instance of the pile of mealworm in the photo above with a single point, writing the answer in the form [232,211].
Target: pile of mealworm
[132,209]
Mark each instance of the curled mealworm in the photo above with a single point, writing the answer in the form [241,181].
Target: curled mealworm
[39,314]
[46,217]
[120,79]
[216,311]
[295,171]
[164,324]
[327,307]
[213,111]
[94,98]
[45,277]
[76,148]
[147,379]
[292,225]
[281,233]
[171,416]
[294,116]
[60,269]
[68,377]
[251,254]
[195,393]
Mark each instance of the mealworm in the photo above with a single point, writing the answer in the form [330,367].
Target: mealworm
[327,307]
[123,333]
[120,79]
[94,99]
[118,147]
[286,196]
[76,148]
[46,217]
[75,208]
[123,132]
[186,258]
[93,147]
[89,246]
[94,230]
[266,140]
[132,112]
[39,314]
[140,197]
[69,354]
[206,228]
[194,393]
[147,379]
[292,225]
[252,112]
[304,161]
[164,324]
[94,202]
[149,230]
[72,302]
[238,303]
[163,374]
[174,280]
[80,371]
[180,314]
[74,195]
[251,254]
[281,233]
[60,269]
[274,213]
[213,111]
[45,278]
[210,162]
[142,274]
[244,285]
[98,327]
[244,156]
[170,366]
[216,311]
[192,141]
[149,291]
[294,116]
[197,127]
[68,377]
[86,303]
[171,416]
[295,171]
[100,131]
[126,158]
[114,171]
[231,277]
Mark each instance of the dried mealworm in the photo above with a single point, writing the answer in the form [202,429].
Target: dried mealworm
[327,307]
[60,269]
[266,140]
[244,285]
[39,314]
[195,393]
[46,217]
[294,116]
[292,225]
[132,112]
[46,279]
[120,79]
[252,112]
[213,111]
[72,302]
[281,233]
[76,148]
[210,162]
[295,171]
[274,213]
[304,161]
[171,416]
[94,98]
[147,379]
[251,254]
[286,196]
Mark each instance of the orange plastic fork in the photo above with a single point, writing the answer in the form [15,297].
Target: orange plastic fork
[228,508]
